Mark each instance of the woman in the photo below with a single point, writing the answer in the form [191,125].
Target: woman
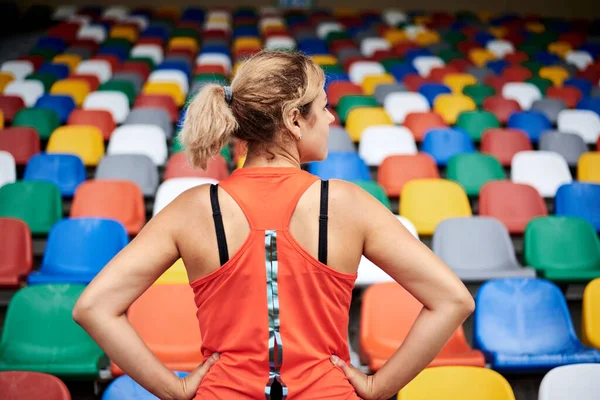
[272,255]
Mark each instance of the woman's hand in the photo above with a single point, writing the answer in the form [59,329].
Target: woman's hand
[189,384]
[364,385]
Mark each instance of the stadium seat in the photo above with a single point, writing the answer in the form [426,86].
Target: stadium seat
[532,122]
[100,68]
[77,89]
[419,123]
[580,58]
[544,170]
[151,51]
[91,81]
[114,102]
[580,200]
[10,106]
[143,139]
[132,77]
[504,144]
[39,334]
[478,93]
[502,108]
[99,118]
[349,102]
[523,325]
[60,71]
[571,381]
[19,69]
[588,166]
[550,107]
[66,171]
[32,385]
[16,252]
[61,105]
[28,90]
[371,82]
[83,141]
[338,89]
[568,95]
[396,170]
[358,70]
[382,91]
[442,144]
[474,170]
[431,90]
[590,321]
[120,86]
[171,76]
[388,311]
[158,101]
[569,145]
[375,190]
[8,168]
[178,167]
[457,382]
[341,165]
[419,203]
[400,104]
[554,73]
[377,142]
[44,121]
[5,79]
[168,88]
[475,123]
[175,274]
[449,106]
[151,116]
[339,140]
[590,103]
[523,92]
[477,249]
[124,388]
[37,203]
[73,253]
[114,199]
[361,118]
[136,168]
[21,142]
[458,81]
[585,123]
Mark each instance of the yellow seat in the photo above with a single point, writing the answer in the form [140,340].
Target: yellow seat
[588,167]
[218,19]
[498,31]
[421,202]
[422,19]
[271,24]
[185,42]
[246,42]
[485,16]
[84,141]
[450,105]
[5,79]
[481,57]
[124,32]
[1,119]
[395,35]
[457,383]
[427,38]
[175,274]
[370,82]
[70,60]
[555,73]
[325,59]
[457,81]
[77,89]
[169,88]
[535,27]
[241,160]
[590,318]
[560,48]
[360,118]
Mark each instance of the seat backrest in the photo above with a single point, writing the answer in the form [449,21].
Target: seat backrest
[339,140]
[8,168]
[142,139]
[37,203]
[126,388]
[569,145]
[523,92]
[475,123]
[82,140]
[170,189]
[544,170]
[26,384]
[21,142]
[101,119]
[151,116]
[585,123]
[579,200]
[588,166]
[42,120]
[136,168]
[377,142]
[504,143]
[578,381]
[116,103]
[341,165]
[474,170]
[360,69]
[360,118]
[396,170]
[532,122]
[28,90]
[444,143]
[64,170]
[178,166]
[16,252]
[399,104]
[101,68]
[590,321]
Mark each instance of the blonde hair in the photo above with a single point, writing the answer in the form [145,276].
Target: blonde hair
[267,86]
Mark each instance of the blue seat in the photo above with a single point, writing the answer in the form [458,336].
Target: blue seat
[313,46]
[497,66]
[411,54]
[62,105]
[579,200]
[584,86]
[401,69]
[156,31]
[61,71]
[532,122]
[546,58]
[77,249]
[245,30]
[193,14]
[592,48]
[444,143]
[341,165]
[214,48]
[432,90]
[590,103]
[334,77]
[66,171]
[125,388]
[244,12]
[523,325]
[483,37]
[115,50]
[177,65]
[52,42]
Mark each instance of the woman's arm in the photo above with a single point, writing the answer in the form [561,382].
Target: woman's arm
[446,301]
[101,308]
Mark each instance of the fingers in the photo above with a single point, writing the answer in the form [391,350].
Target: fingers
[348,370]
[210,361]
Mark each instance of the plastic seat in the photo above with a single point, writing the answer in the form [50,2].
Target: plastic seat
[544,170]
[10,106]
[61,105]
[136,168]
[532,122]
[580,200]
[349,102]
[119,200]
[419,123]
[5,79]
[100,68]
[590,323]
[378,142]
[458,81]
[585,123]
[424,64]
[8,168]
[442,144]
[432,90]
[580,58]
[420,203]
[477,249]
[549,107]
[114,102]
[16,252]
[158,101]
[571,381]
[151,116]
[19,69]
[40,335]
[29,91]
[99,118]
[341,165]
[383,90]
[587,103]
[66,171]
[151,51]
[359,69]
[554,73]
[369,46]
[83,141]
[388,312]
[20,384]
[569,95]
[523,92]
[504,144]
[588,167]
[338,89]
[569,145]
[449,106]
[395,171]
[171,76]
[120,86]
[44,121]
[360,118]
[21,142]
[178,166]
[399,104]
[124,388]
[500,48]
[169,88]
[39,204]
[164,317]
[143,139]
[465,383]
[502,108]
[78,89]
[475,123]
[171,188]
[474,170]
[339,140]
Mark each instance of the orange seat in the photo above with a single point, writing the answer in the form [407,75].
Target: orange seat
[158,100]
[421,122]
[514,204]
[101,119]
[165,318]
[16,253]
[119,200]
[338,89]
[504,143]
[502,108]
[387,314]
[396,170]
[178,166]
[570,95]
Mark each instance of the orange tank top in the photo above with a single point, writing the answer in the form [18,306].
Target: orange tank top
[274,312]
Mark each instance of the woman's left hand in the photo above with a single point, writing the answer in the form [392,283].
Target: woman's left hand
[189,384]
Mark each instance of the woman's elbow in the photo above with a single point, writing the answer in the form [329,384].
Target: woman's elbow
[465,304]
[81,311]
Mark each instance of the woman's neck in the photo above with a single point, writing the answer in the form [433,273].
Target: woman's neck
[273,157]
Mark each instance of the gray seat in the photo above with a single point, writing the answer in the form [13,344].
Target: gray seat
[571,69]
[339,140]
[477,249]
[153,116]
[369,33]
[568,145]
[438,47]
[595,92]
[382,91]
[305,34]
[137,168]
[83,52]
[347,53]
[549,107]
[480,73]
[136,79]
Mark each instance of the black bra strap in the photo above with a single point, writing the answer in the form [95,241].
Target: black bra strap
[220,230]
[323,222]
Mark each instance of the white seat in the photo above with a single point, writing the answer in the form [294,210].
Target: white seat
[152,51]
[218,14]
[215,58]
[82,20]
[579,58]
[500,47]
[101,68]
[96,33]
[280,42]
[585,123]
[524,93]
[578,381]
[217,25]
[145,139]
[379,141]
[424,64]
[140,20]
[30,91]
[370,45]
[171,188]
[400,104]
[18,68]
[270,21]
[171,75]
[544,170]
[64,12]
[360,69]
[114,102]
[412,31]
[324,28]
[265,11]
[394,17]
[116,12]
[8,168]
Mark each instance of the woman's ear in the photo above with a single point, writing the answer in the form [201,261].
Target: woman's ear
[293,123]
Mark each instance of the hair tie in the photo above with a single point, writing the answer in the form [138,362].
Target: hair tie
[228,94]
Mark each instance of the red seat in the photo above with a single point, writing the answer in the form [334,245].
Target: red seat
[186,52]
[65,30]
[438,73]
[158,100]
[460,64]
[570,95]
[338,89]
[86,43]
[211,69]
[10,106]
[111,59]
[516,73]
[514,204]
[466,46]
[16,252]
[151,40]
[339,44]
[101,119]
[414,81]
[502,108]
[178,166]
[420,122]
[495,81]
[504,143]
[517,57]
[32,385]
[402,47]
[21,142]
[138,67]
[395,171]
[92,80]
[574,38]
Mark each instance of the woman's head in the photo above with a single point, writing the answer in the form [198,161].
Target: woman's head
[276,98]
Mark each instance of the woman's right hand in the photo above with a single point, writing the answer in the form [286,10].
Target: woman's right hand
[363,384]
[189,384]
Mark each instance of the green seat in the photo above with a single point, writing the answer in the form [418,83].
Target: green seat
[454,37]
[476,122]
[176,147]
[533,66]
[332,70]
[38,203]
[44,120]
[563,249]
[542,83]
[146,60]
[211,78]
[118,42]
[40,335]
[347,103]
[48,53]
[336,35]
[450,54]
[531,49]
[120,85]
[479,93]
[46,78]
[186,32]
[376,191]
[473,170]
[389,63]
